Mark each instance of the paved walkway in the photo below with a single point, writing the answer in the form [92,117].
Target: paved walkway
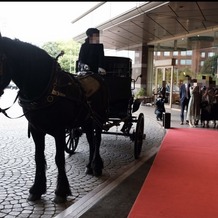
[17,167]
[119,201]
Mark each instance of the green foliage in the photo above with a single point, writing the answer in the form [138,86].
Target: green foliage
[71,52]
[210,66]
[185,71]
[52,48]
[140,93]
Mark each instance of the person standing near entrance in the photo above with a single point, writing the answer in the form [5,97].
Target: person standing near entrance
[193,112]
[184,94]
[163,92]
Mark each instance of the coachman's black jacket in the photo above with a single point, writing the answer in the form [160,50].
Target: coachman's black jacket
[92,55]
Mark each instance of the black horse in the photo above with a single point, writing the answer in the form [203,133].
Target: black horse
[54,100]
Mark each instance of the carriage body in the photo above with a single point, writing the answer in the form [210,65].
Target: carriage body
[122,105]
[118,80]
[120,85]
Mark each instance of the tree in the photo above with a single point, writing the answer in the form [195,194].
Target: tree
[71,52]
[210,66]
[52,48]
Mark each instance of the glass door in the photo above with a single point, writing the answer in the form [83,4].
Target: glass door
[164,83]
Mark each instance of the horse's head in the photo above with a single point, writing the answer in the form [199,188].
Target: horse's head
[4,69]
[30,67]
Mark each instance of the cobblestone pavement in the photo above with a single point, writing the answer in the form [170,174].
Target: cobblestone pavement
[17,167]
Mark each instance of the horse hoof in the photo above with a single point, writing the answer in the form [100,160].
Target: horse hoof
[33,197]
[89,171]
[59,199]
[97,173]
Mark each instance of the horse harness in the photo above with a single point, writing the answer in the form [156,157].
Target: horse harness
[61,85]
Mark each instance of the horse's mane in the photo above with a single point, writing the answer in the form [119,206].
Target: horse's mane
[25,50]
[26,47]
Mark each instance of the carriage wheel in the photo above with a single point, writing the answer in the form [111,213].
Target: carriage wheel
[72,140]
[139,136]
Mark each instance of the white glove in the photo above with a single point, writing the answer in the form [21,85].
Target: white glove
[101,71]
[86,67]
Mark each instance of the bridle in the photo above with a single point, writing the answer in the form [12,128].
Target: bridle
[2,64]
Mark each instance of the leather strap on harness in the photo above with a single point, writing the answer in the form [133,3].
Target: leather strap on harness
[4,110]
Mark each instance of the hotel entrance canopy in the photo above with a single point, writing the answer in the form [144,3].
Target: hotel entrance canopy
[149,23]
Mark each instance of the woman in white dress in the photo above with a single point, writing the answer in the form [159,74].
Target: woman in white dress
[193,112]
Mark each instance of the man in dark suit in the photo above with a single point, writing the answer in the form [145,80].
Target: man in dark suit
[184,93]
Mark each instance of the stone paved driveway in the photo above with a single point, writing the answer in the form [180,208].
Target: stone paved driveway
[17,168]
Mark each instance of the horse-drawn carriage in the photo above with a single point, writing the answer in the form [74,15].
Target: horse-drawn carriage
[122,105]
[57,103]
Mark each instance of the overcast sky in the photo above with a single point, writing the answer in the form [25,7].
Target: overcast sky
[40,22]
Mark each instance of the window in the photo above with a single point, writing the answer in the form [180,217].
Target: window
[166,53]
[188,62]
[183,53]
[185,62]
[203,54]
[211,54]
[189,53]
[175,53]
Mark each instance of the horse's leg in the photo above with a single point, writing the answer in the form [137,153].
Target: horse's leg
[88,129]
[39,186]
[95,164]
[63,187]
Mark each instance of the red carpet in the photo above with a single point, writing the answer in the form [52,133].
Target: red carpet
[183,180]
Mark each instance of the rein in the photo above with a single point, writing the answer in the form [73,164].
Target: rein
[4,110]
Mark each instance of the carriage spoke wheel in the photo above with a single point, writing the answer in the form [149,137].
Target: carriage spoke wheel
[72,140]
[139,136]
